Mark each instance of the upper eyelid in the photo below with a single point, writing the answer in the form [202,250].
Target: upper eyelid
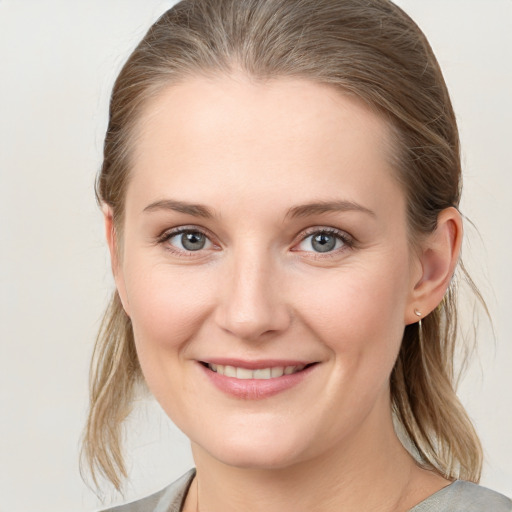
[170,232]
[324,229]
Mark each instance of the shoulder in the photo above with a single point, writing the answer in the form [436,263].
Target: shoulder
[461,496]
[169,499]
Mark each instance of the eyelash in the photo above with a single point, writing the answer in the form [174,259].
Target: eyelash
[167,235]
[347,241]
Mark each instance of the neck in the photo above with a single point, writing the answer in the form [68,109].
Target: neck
[369,470]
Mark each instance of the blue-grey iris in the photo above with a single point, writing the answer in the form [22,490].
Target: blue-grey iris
[193,241]
[323,242]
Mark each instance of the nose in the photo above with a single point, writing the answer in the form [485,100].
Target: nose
[252,302]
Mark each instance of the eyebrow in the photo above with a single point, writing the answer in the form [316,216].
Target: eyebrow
[197,210]
[316,208]
[305,210]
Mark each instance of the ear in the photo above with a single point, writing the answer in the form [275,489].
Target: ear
[113,246]
[438,256]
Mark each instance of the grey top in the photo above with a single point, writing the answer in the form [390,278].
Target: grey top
[460,496]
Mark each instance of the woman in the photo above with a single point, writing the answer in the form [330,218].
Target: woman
[280,189]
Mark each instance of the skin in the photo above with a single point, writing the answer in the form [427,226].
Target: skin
[251,153]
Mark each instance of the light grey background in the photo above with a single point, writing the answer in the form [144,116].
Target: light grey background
[58,59]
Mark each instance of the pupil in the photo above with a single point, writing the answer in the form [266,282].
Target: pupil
[323,242]
[193,241]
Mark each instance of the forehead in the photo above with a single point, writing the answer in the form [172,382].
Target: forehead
[219,136]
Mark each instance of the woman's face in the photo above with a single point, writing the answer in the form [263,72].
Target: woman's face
[265,266]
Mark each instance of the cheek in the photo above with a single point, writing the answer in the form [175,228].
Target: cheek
[167,309]
[359,310]
[167,305]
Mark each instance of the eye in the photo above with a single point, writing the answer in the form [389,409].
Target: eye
[323,241]
[188,240]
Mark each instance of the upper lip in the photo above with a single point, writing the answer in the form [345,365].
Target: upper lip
[255,364]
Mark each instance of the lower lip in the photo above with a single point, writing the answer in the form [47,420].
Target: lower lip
[255,389]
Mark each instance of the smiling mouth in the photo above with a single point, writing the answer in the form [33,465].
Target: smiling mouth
[258,374]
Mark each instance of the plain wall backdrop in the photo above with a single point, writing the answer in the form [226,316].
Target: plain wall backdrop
[58,60]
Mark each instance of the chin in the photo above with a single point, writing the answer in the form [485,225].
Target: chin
[256,459]
[256,449]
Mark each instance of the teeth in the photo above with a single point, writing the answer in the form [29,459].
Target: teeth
[229,371]
[278,371]
[260,373]
[243,373]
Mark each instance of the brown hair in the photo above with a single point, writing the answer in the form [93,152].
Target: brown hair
[370,49]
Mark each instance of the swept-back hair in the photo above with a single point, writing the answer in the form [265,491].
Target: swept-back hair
[369,49]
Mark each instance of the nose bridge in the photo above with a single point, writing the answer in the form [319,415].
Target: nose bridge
[252,302]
